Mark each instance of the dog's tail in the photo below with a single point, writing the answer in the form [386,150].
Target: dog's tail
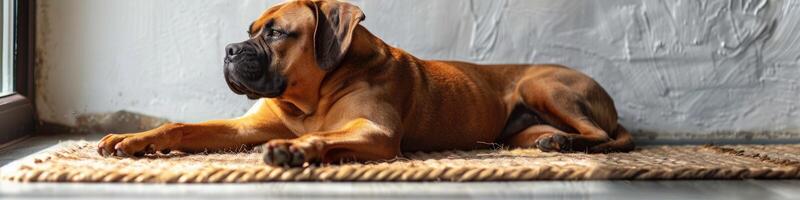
[622,142]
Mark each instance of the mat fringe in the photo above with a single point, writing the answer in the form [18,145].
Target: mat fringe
[78,162]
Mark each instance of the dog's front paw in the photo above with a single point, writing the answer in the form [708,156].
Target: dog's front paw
[553,142]
[288,153]
[131,145]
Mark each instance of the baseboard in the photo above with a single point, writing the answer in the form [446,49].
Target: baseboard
[127,122]
[718,137]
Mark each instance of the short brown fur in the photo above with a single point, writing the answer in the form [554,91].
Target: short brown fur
[380,101]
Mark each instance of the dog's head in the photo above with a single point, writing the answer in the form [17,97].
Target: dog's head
[291,48]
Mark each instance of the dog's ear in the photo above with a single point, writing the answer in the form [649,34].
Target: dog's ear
[336,22]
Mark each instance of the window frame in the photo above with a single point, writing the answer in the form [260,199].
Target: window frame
[17,111]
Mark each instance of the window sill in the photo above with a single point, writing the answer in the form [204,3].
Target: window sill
[4,95]
[16,117]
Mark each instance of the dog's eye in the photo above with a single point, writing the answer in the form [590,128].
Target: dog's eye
[274,33]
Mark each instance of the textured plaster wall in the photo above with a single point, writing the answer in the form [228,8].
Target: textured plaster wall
[692,67]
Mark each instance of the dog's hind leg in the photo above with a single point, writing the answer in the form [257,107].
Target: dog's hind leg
[569,108]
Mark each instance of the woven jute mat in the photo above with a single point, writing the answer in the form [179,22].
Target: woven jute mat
[77,161]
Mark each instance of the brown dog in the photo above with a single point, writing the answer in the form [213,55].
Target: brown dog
[331,91]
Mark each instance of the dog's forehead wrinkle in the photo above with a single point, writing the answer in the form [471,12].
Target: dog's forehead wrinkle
[267,14]
[271,17]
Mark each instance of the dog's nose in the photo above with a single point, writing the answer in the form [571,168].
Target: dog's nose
[233,49]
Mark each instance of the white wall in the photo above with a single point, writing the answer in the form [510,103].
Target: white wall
[694,67]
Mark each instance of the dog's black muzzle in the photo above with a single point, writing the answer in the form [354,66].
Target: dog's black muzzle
[248,71]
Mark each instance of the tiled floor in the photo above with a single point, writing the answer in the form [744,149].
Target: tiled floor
[749,189]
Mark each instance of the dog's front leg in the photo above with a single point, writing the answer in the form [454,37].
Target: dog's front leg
[359,140]
[252,129]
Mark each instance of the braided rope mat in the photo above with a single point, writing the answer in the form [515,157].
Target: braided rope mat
[77,161]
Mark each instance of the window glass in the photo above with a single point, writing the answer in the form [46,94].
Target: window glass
[6,50]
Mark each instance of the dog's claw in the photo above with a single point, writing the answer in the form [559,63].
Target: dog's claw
[151,149]
[266,151]
[121,153]
[297,158]
[280,157]
[103,152]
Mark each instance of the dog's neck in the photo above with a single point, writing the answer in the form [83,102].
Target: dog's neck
[366,56]
[364,48]
[367,59]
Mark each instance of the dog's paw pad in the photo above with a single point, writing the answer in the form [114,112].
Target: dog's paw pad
[283,156]
[553,142]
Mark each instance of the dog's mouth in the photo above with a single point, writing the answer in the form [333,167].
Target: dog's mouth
[240,89]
